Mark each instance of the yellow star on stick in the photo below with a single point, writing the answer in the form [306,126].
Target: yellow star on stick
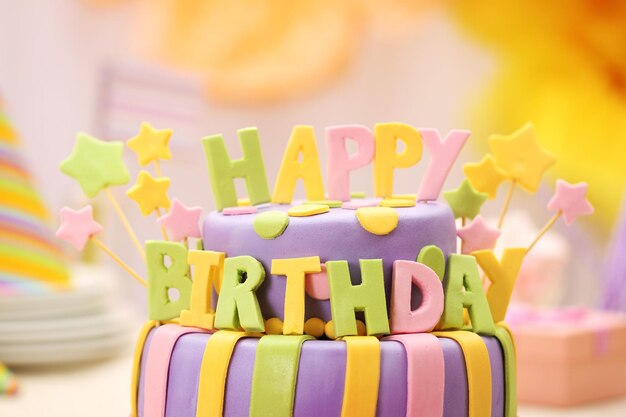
[521,157]
[150,193]
[150,144]
[485,176]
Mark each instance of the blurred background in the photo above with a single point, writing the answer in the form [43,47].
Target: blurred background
[203,67]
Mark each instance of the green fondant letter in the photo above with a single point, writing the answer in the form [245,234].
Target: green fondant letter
[463,289]
[223,170]
[237,304]
[162,277]
[369,297]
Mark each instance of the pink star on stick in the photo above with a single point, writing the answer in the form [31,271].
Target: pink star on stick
[181,221]
[478,235]
[77,226]
[570,200]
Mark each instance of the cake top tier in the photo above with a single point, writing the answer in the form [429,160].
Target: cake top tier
[335,234]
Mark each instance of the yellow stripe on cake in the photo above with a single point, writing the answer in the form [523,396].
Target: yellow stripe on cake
[134,381]
[360,394]
[478,368]
[213,372]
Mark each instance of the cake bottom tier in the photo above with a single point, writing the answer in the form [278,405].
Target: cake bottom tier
[169,359]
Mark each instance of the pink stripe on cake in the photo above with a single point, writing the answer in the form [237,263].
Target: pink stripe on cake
[425,374]
[157,366]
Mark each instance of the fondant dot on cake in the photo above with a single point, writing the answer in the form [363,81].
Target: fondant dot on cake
[306,210]
[397,202]
[378,220]
[270,224]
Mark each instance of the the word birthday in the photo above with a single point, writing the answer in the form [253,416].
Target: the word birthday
[448,289]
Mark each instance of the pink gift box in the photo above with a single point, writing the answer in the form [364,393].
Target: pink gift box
[569,357]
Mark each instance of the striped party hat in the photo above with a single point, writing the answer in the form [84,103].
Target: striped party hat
[30,259]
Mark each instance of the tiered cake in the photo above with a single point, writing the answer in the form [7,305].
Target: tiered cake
[336,306]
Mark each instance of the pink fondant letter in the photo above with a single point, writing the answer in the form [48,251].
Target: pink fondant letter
[442,157]
[427,315]
[340,163]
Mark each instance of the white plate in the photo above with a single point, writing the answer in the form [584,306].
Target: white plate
[66,352]
[92,290]
[78,328]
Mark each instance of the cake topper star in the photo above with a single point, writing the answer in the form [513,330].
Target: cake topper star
[150,144]
[150,193]
[77,226]
[96,164]
[570,200]
[465,201]
[182,221]
[478,235]
[485,176]
[521,157]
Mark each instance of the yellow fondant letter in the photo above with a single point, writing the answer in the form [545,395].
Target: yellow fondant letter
[208,272]
[302,141]
[386,159]
[295,269]
[502,275]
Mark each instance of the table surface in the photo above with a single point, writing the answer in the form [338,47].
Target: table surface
[101,389]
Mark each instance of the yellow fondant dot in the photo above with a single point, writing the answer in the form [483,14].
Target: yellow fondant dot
[397,202]
[378,220]
[360,328]
[329,330]
[314,327]
[244,202]
[305,210]
[358,194]
[274,326]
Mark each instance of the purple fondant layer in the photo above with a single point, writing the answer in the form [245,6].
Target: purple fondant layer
[321,373]
[336,235]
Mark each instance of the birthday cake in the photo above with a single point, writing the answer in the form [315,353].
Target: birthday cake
[337,305]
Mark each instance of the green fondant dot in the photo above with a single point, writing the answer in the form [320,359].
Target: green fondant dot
[433,257]
[270,224]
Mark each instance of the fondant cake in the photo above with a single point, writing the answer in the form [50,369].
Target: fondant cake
[449,373]
[326,307]
[338,305]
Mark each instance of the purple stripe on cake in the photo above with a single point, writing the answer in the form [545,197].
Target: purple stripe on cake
[239,381]
[182,385]
[496,357]
[455,399]
[321,374]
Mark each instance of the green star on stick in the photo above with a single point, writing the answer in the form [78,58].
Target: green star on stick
[96,164]
[465,201]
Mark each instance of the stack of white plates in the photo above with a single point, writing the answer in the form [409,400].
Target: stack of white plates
[56,328]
